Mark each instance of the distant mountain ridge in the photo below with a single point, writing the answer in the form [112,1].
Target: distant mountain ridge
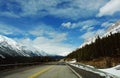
[9,47]
[115,28]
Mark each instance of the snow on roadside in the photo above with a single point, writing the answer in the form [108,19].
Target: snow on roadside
[72,61]
[114,70]
[96,71]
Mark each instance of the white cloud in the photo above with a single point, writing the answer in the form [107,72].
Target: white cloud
[110,8]
[8,29]
[41,30]
[69,25]
[49,40]
[73,9]
[50,46]
[106,24]
[78,9]
[9,14]
[87,25]
[48,31]
[88,35]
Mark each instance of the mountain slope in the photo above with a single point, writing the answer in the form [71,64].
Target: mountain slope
[9,47]
[115,28]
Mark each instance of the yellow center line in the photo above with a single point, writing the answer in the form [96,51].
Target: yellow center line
[40,72]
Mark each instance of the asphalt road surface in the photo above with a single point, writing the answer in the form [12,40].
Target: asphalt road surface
[44,71]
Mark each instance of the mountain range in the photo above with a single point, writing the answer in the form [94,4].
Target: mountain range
[9,47]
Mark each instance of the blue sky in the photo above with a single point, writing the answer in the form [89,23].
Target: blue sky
[56,26]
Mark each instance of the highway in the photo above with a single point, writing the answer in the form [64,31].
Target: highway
[52,70]
[41,71]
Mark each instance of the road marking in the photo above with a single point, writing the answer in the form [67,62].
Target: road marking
[74,72]
[40,72]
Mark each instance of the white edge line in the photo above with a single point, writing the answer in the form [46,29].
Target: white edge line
[74,72]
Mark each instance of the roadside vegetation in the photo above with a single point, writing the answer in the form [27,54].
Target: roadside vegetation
[104,52]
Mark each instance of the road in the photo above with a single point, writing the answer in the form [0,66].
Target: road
[42,71]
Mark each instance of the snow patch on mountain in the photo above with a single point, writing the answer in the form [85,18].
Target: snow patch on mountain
[87,42]
[17,49]
[115,28]
[7,41]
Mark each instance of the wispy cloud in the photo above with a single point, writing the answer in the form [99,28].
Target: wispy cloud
[86,25]
[69,25]
[106,24]
[110,8]
[88,35]
[41,29]
[48,39]
[48,31]
[9,30]
[9,14]
[73,9]
[77,9]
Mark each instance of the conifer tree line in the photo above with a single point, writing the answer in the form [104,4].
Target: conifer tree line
[102,47]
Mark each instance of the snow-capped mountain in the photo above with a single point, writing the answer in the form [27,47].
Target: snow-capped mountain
[115,28]
[92,40]
[9,47]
